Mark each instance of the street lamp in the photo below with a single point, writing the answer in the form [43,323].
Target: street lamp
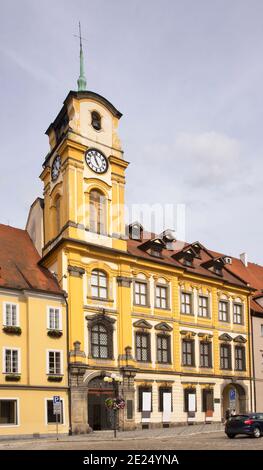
[115,380]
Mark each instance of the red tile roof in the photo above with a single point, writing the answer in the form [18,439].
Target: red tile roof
[235,273]
[205,255]
[19,259]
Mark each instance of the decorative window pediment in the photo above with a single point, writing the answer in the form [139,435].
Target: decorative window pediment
[225,337]
[100,318]
[240,339]
[188,334]
[163,327]
[142,324]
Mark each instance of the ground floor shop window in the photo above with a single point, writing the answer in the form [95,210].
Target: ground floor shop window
[8,412]
[51,417]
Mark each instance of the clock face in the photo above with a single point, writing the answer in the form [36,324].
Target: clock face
[55,168]
[96,161]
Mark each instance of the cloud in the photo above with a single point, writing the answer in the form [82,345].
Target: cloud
[32,69]
[208,158]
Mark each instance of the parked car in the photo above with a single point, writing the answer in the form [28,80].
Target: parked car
[250,424]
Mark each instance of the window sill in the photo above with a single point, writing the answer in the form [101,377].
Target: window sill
[101,359]
[163,309]
[89,297]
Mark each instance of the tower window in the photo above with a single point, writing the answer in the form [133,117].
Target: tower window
[96,120]
[97,212]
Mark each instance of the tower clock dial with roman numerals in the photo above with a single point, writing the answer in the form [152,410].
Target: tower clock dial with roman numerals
[96,161]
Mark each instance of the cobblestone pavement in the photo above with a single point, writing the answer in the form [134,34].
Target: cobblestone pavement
[196,437]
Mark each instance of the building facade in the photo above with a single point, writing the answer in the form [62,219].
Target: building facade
[33,341]
[172,322]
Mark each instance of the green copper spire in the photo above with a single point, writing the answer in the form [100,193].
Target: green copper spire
[82,82]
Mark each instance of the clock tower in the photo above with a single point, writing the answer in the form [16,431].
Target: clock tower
[83,174]
[83,241]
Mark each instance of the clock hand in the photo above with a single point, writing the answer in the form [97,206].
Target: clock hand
[96,160]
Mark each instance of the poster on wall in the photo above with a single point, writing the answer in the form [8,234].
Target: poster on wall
[167,407]
[146,406]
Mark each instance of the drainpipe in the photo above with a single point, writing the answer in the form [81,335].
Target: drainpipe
[69,389]
[250,336]
[253,365]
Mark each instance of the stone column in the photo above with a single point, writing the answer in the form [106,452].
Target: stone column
[127,416]
[78,391]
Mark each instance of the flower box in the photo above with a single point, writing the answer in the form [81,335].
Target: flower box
[55,378]
[12,330]
[12,377]
[55,333]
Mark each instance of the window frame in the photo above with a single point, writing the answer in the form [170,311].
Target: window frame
[183,303]
[148,346]
[60,351]
[243,357]
[186,353]
[17,400]
[18,350]
[229,348]
[208,355]
[63,422]
[225,302]
[238,304]
[201,296]
[168,350]
[60,328]
[98,286]
[140,282]
[167,295]
[5,313]
[109,344]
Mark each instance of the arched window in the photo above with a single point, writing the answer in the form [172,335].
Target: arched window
[96,120]
[97,212]
[57,206]
[99,342]
[99,284]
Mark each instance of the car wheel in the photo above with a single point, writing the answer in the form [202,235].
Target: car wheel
[231,436]
[256,432]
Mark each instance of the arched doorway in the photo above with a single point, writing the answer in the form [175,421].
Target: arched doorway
[234,398]
[99,417]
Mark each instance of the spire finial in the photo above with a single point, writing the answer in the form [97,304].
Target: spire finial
[82,82]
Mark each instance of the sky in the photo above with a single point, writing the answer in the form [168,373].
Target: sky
[187,76]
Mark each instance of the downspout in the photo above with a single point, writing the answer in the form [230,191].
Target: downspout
[69,389]
[253,365]
[250,362]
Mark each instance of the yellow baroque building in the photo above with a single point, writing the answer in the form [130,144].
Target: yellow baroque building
[172,323]
[93,309]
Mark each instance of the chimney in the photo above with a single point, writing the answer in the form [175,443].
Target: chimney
[243,258]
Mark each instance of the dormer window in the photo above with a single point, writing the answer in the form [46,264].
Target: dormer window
[188,261]
[96,120]
[214,265]
[135,231]
[153,247]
